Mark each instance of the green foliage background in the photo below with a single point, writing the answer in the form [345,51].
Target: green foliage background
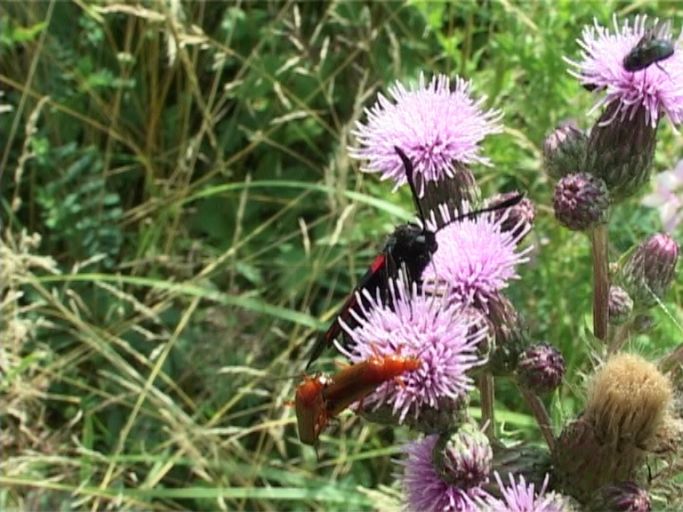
[186,166]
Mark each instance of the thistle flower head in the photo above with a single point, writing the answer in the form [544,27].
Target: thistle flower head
[580,201]
[476,258]
[522,497]
[424,327]
[622,421]
[657,88]
[437,125]
[627,400]
[425,489]
[541,368]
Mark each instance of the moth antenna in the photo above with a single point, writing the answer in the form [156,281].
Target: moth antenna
[508,203]
[408,165]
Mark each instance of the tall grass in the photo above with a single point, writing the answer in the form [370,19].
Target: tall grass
[180,218]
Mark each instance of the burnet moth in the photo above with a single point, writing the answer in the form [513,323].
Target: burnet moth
[409,248]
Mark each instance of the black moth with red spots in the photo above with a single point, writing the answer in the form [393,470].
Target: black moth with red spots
[410,247]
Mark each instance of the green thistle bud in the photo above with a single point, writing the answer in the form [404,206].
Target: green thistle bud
[581,201]
[564,150]
[650,269]
[461,189]
[382,415]
[621,497]
[527,459]
[510,338]
[445,416]
[620,305]
[541,368]
[479,322]
[620,151]
[463,458]
[643,323]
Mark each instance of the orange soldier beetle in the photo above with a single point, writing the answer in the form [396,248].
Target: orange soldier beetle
[320,397]
[311,410]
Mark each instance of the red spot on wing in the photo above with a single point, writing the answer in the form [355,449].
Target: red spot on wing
[378,262]
[368,281]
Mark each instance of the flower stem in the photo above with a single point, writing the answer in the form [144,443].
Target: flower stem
[619,337]
[541,415]
[673,361]
[600,282]
[486,393]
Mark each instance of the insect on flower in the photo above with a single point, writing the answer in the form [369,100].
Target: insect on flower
[410,247]
[320,397]
[652,48]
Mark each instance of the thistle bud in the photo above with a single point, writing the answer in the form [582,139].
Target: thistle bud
[650,270]
[519,218]
[564,150]
[643,323]
[621,497]
[463,458]
[620,305]
[445,416]
[459,189]
[382,415]
[478,322]
[581,201]
[541,368]
[620,151]
[530,460]
[508,331]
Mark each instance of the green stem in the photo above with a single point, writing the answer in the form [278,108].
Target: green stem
[541,414]
[600,282]
[619,337]
[673,361]
[486,392]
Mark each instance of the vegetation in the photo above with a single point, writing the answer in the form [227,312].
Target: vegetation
[180,218]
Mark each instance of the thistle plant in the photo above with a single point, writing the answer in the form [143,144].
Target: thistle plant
[190,190]
[459,322]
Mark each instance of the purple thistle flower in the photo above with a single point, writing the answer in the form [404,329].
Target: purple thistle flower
[657,88]
[520,497]
[424,488]
[476,258]
[437,125]
[425,327]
